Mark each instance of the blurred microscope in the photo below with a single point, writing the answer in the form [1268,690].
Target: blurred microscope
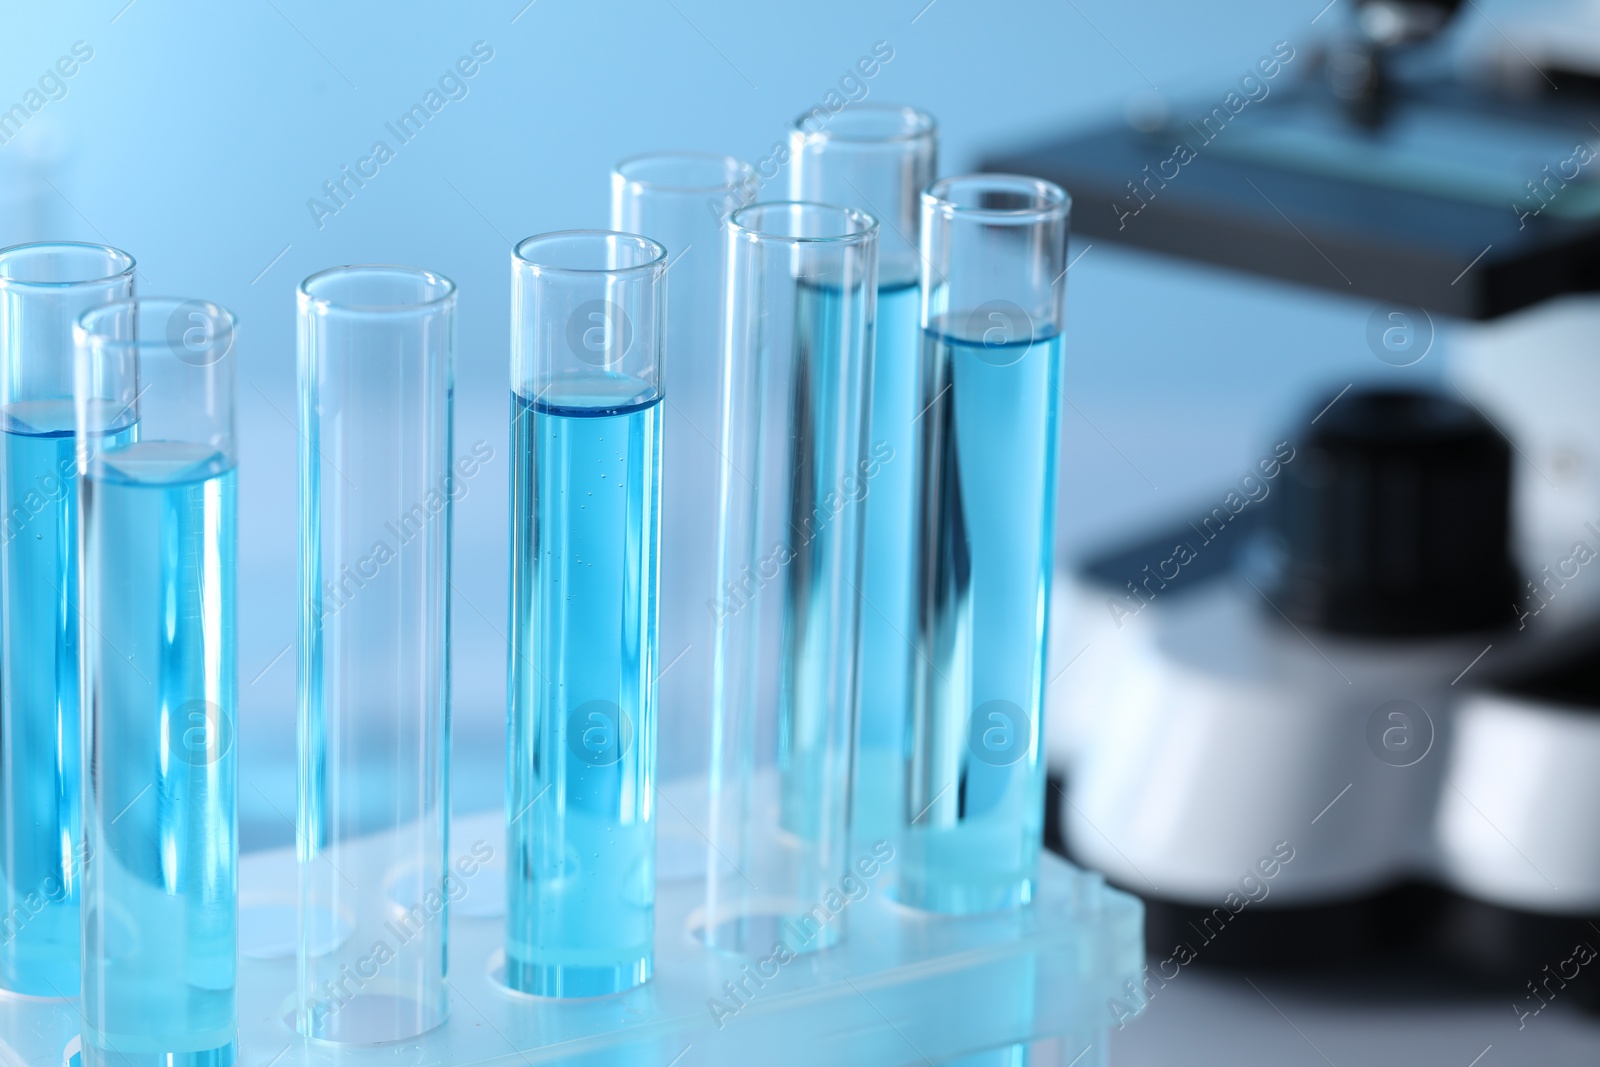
[1351,706]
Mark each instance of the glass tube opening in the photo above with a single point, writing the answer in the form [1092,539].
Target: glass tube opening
[704,173]
[994,251]
[999,199]
[161,364]
[377,289]
[870,124]
[590,252]
[801,222]
[586,319]
[62,263]
[196,332]
[44,288]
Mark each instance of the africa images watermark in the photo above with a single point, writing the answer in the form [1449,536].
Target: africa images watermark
[1254,87]
[452,86]
[1567,569]
[800,932]
[53,890]
[1253,489]
[740,590]
[398,932]
[1583,953]
[1253,887]
[50,86]
[336,593]
[852,88]
[53,488]
[1552,184]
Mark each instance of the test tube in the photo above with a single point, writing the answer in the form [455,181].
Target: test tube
[802,290]
[879,158]
[586,327]
[994,251]
[43,289]
[679,200]
[376,486]
[156,454]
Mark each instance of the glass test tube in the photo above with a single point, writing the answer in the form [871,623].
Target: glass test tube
[43,290]
[802,289]
[994,262]
[586,327]
[376,486]
[679,200]
[156,455]
[879,158]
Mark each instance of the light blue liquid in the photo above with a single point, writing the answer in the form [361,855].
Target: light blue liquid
[581,762]
[160,887]
[39,758]
[986,500]
[887,618]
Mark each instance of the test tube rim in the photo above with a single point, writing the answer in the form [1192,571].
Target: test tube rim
[112,253]
[85,328]
[310,300]
[868,224]
[656,264]
[737,173]
[922,126]
[1052,201]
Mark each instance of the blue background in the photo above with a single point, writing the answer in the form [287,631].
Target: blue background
[197,133]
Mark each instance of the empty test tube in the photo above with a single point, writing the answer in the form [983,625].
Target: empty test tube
[156,457]
[376,486]
[802,288]
[679,200]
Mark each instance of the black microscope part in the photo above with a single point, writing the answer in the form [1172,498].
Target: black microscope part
[1372,219]
[1394,518]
